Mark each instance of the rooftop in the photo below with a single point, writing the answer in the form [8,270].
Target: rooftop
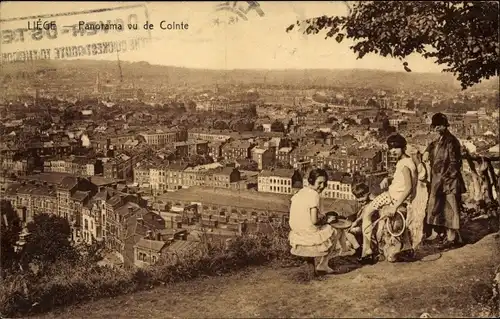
[50,178]
[241,199]
[279,172]
[80,195]
[192,142]
[182,246]
[155,245]
[29,189]
[103,181]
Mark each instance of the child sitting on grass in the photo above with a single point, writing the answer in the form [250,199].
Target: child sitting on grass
[363,197]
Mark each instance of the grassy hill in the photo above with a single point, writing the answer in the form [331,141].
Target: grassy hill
[86,70]
[456,285]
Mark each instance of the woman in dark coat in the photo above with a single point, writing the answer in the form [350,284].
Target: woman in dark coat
[446,181]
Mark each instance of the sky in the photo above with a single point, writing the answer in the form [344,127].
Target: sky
[260,42]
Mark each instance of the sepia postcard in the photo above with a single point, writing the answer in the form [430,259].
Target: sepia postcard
[249,159]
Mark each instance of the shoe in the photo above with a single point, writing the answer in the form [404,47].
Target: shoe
[407,255]
[358,252]
[367,260]
[321,272]
[350,252]
[450,244]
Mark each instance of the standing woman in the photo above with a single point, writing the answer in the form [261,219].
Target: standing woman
[310,235]
[446,182]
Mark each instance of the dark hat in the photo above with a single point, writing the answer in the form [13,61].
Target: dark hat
[439,119]
[396,141]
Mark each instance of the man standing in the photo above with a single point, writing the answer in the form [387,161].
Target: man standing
[446,181]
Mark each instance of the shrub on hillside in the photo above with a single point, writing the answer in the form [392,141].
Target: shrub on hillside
[9,234]
[64,283]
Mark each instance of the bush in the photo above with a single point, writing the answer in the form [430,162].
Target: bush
[62,284]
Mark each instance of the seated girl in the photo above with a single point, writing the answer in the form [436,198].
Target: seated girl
[398,192]
[310,234]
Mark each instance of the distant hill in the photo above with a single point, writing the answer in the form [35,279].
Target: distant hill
[86,71]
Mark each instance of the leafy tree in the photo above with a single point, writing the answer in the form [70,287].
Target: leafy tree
[49,241]
[349,121]
[191,105]
[463,35]
[411,104]
[381,116]
[92,253]
[284,165]
[372,103]
[248,165]
[11,227]
[365,121]
[220,125]
[252,110]
[197,159]
[320,135]
[331,120]
[320,98]
[242,125]
[277,126]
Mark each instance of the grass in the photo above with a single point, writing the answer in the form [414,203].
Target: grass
[454,286]
[389,285]
[64,285]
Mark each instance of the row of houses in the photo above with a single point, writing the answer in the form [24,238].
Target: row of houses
[97,209]
[162,178]
[289,181]
[174,176]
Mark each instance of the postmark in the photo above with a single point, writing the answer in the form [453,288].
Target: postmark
[74,34]
[236,11]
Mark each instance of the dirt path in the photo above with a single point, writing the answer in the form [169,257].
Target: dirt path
[446,287]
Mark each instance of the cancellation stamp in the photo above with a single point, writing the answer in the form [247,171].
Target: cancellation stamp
[238,10]
[74,34]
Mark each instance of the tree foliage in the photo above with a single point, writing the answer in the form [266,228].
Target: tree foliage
[242,125]
[248,165]
[220,125]
[461,35]
[49,241]
[277,126]
[365,121]
[11,227]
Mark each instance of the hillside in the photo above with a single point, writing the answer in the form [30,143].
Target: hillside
[86,71]
[454,285]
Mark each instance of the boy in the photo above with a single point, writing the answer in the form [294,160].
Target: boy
[362,193]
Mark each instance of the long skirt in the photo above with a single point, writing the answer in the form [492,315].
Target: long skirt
[449,215]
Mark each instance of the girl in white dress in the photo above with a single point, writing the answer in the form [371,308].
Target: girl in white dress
[310,235]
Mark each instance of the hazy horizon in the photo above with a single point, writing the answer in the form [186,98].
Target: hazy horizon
[245,69]
[261,43]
